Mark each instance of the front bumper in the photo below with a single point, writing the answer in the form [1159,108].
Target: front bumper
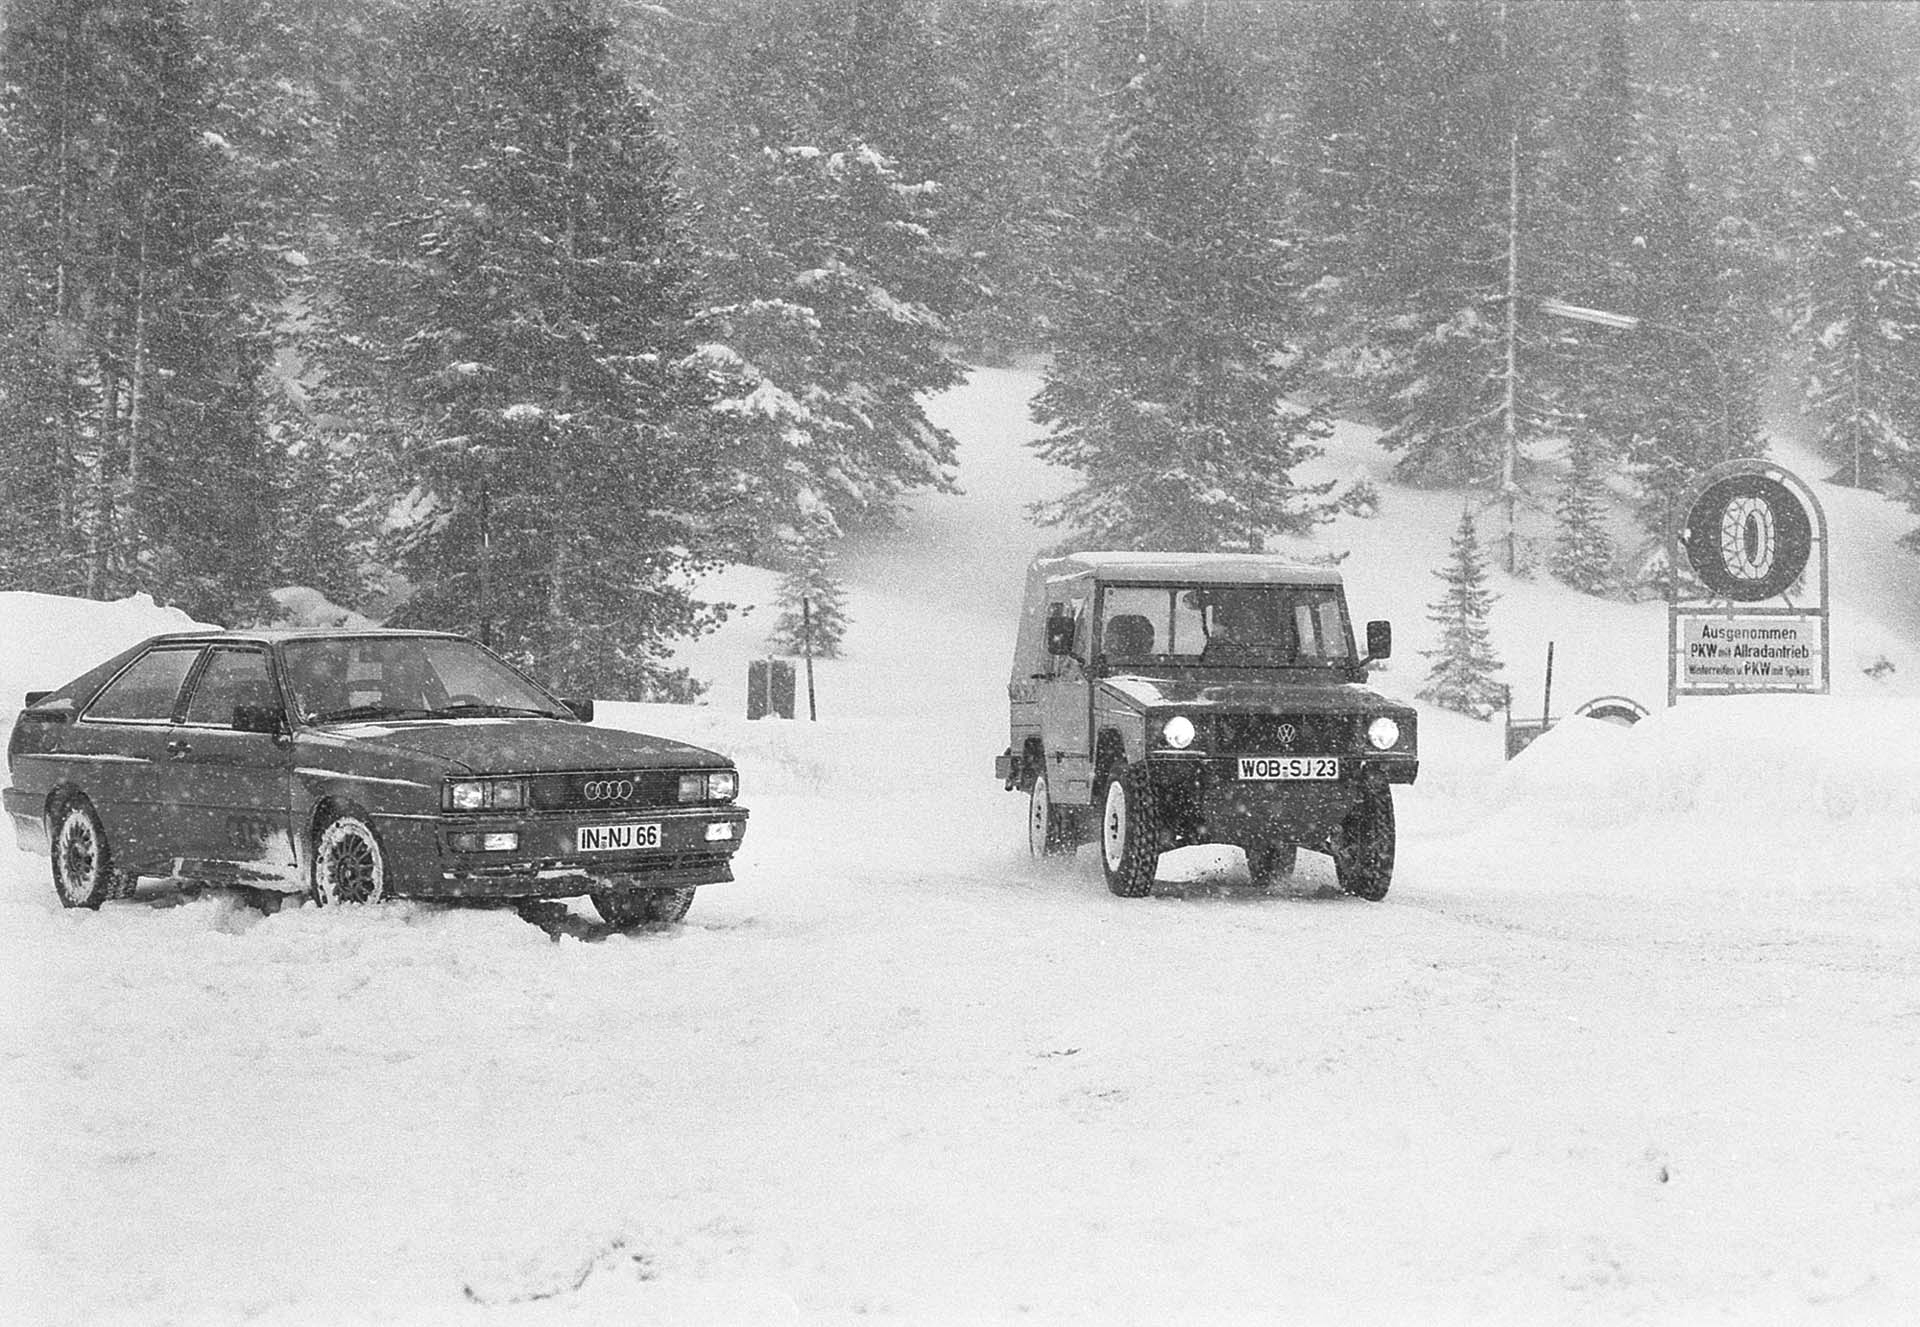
[547,862]
[1209,803]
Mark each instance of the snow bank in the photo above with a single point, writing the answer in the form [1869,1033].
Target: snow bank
[1753,760]
[47,639]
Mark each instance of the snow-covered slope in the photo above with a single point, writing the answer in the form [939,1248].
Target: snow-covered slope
[1633,1038]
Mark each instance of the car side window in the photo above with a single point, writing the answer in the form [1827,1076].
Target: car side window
[231,677]
[147,691]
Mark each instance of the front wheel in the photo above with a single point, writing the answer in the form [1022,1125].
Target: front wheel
[348,863]
[1052,830]
[1363,851]
[625,909]
[83,874]
[1131,833]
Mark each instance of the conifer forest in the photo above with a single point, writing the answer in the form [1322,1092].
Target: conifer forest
[513,317]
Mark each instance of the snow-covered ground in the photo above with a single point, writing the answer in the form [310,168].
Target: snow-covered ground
[1635,1037]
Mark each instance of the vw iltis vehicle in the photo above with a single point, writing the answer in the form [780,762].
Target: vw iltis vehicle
[356,766]
[1163,699]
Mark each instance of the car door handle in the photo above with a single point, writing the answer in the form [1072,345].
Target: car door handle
[177,748]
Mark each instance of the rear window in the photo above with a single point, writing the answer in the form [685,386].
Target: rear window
[147,691]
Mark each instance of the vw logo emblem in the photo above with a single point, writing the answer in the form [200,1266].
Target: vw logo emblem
[607,790]
[1287,733]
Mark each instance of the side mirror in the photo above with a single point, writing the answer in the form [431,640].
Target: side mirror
[1379,640]
[1059,632]
[259,719]
[35,697]
[582,709]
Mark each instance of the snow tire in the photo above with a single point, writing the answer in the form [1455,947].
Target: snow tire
[83,874]
[1132,835]
[629,909]
[1052,830]
[349,866]
[1363,852]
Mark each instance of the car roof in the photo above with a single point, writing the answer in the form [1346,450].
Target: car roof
[276,635]
[1235,568]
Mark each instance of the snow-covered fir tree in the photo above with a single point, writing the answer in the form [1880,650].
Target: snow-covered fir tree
[1175,352]
[1862,314]
[1462,675]
[1683,399]
[1424,129]
[812,606]
[1583,550]
[130,342]
[518,322]
[831,283]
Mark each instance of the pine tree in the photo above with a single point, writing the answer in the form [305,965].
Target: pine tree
[830,275]
[1863,309]
[1173,362]
[519,320]
[1461,678]
[821,625]
[1583,553]
[135,430]
[1682,398]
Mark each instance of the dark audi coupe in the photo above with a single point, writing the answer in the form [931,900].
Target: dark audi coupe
[355,766]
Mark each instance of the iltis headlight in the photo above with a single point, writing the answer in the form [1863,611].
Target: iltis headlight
[1383,733]
[1178,732]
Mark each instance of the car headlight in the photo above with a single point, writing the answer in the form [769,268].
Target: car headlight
[1383,733]
[718,785]
[1178,733]
[486,794]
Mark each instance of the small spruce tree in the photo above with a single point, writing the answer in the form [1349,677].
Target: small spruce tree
[1583,555]
[1461,678]
[811,580]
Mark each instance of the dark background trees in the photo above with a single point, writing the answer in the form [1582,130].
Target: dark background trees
[579,298]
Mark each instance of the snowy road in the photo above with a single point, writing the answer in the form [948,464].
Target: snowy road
[1634,1038]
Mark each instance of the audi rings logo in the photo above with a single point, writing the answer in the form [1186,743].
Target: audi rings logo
[607,790]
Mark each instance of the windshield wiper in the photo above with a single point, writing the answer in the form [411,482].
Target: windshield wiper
[353,712]
[485,709]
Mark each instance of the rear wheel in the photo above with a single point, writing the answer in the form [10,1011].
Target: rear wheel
[1131,833]
[1363,852]
[628,908]
[83,874]
[1052,830]
[348,863]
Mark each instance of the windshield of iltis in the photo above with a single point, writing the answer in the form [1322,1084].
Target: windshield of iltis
[410,676]
[1234,625]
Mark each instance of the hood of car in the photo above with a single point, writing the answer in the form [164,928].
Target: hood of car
[1295,692]
[526,746]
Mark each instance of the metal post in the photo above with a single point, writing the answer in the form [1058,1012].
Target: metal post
[806,646]
[1546,699]
[486,566]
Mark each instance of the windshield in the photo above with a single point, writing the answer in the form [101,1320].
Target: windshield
[1246,626]
[406,677]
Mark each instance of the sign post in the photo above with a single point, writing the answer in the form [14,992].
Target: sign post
[1749,529]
